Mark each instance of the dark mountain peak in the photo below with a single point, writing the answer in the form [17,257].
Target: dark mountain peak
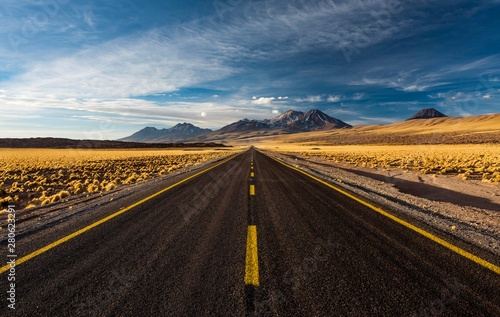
[188,128]
[316,119]
[316,114]
[245,125]
[288,116]
[182,125]
[179,132]
[427,113]
[149,129]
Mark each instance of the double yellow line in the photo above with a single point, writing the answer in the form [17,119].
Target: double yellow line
[408,225]
[46,248]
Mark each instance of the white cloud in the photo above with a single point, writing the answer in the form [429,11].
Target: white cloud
[275,111]
[413,88]
[131,111]
[282,98]
[487,96]
[263,100]
[332,98]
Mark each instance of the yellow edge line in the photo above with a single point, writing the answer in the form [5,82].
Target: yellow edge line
[408,225]
[252,190]
[36,253]
[252,258]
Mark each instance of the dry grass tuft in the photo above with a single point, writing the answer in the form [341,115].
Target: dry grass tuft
[468,162]
[43,176]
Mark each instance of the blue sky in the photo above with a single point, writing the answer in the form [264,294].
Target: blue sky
[105,69]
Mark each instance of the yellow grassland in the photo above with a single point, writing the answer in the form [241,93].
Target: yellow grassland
[467,161]
[35,177]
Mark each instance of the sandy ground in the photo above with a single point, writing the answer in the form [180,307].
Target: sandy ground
[469,209]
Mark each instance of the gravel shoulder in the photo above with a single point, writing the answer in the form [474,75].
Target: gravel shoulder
[469,210]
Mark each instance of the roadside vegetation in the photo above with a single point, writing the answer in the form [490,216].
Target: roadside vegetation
[38,177]
[469,162]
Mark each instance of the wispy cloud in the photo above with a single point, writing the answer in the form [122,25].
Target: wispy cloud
[125,67]
[88,19]
[336,98]
[358,96]
[313,98]
[149,62]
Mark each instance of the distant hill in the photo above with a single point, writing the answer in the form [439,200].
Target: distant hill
[62,143]
[180,132]
[427,113]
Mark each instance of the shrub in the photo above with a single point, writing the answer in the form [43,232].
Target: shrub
[64,194]
[110,186]
[92,188]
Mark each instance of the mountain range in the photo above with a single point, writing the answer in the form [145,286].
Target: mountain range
[292,121]
[288,122]
[179,132]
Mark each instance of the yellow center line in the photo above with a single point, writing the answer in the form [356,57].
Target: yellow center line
[408,225]
[252,258]
[52,245]
[252,190]
[252,174]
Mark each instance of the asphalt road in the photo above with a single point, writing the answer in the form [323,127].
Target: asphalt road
[229,243]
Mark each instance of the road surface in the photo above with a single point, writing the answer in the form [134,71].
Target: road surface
[250,237]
